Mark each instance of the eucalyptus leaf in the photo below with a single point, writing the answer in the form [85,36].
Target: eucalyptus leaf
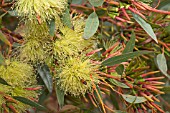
[133,99]
[119,111]
[46,76]
[130,45]
[162,64]
[52,27]
[66,18]
[29,102]
[117,83]
[91,25]
[13,13]
[124,57]
[2,60]
[96,3]
[2,81]
[146,26]
[4,39]
[60,96]
[164,5]
[120,69]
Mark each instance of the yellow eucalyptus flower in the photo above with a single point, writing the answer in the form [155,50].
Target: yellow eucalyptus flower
[35,50]
[76,76]
[17,73]
[71,43]
[19,76]
[43,9]
[35,30]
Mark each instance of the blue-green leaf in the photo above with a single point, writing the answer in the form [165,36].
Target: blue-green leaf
[2,60]
[2,81]
[120,69]
[96,3]
[29,102]
[13,13]
[66,18]
[46,76]
[117,83]
[130,45]
[133,99]
[91,25]
[119,111]
[60,95]
[122,58]
[162,64]
[4,39]
[147,27]
[52,26]
[164,5]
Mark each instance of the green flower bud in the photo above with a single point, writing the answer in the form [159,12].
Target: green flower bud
[40,9]
[76,76]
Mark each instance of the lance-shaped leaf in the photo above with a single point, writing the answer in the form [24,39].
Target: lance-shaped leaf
[164,5]
[130,45]
[2,81]
[147,27]
[133,99]
[13,13]
[119,111]
[46,76]
[96,3]
[60,95]
[91,25]
[117,83]
[4,39]
[120,69]
[2,60]
[66,18]
[162,64]
[52,26]
[29,102]
[122,58]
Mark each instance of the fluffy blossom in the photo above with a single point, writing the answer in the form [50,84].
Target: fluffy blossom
[71,43]
[17,73]
[35,50]
[19,76]
[77,76]
[42,9]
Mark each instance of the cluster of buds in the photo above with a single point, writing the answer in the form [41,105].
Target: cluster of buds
[143,83]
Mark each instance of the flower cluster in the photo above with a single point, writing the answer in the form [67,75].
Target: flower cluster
[18,76]
[77,75]
[74,70]
[43,10]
